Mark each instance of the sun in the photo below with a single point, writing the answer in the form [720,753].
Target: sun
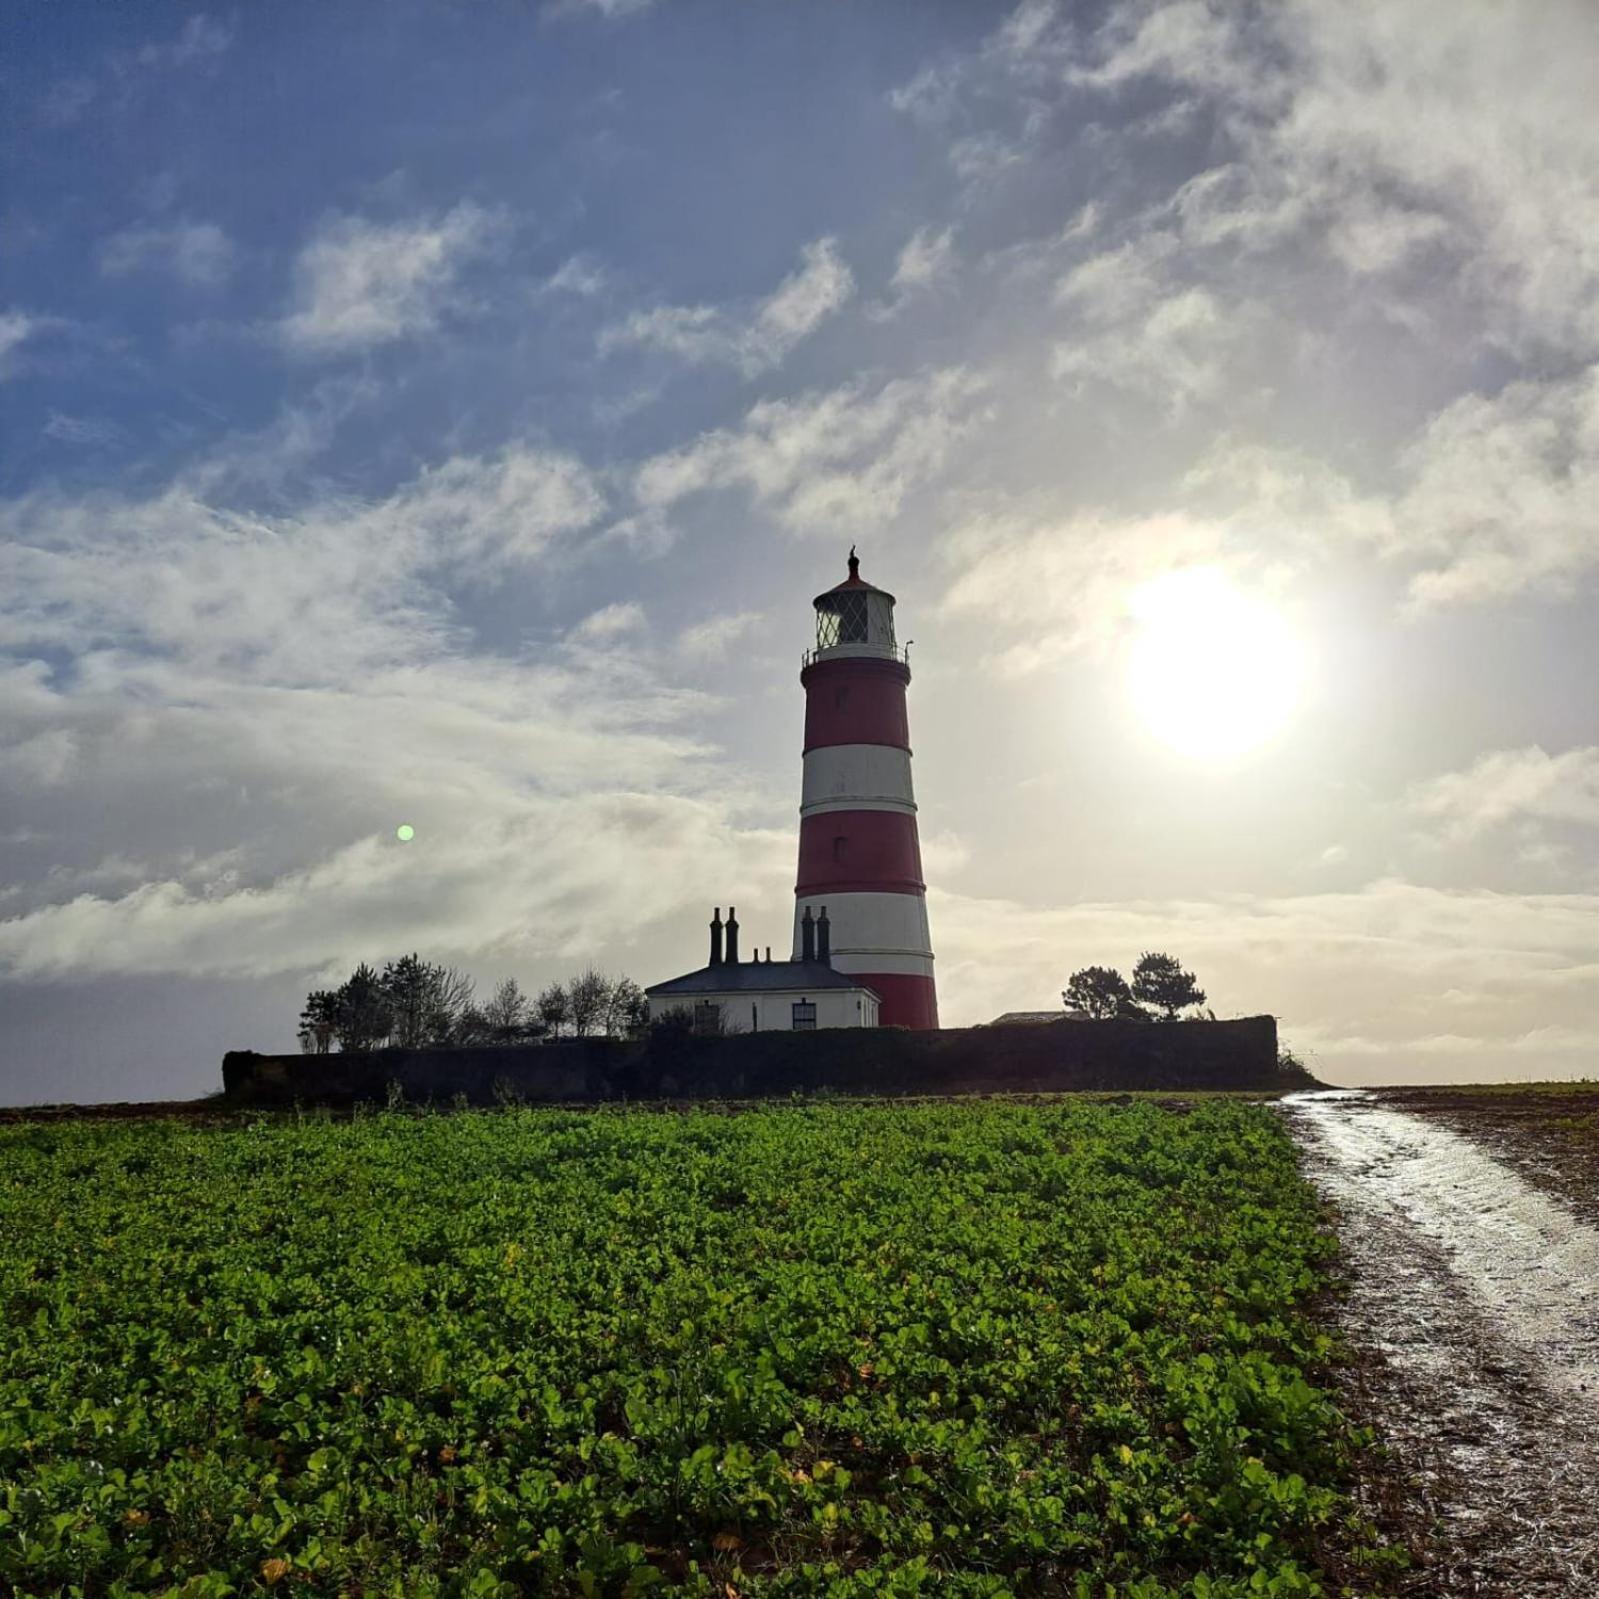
[1214,671]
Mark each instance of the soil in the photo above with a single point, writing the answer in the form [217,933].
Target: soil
[1471,1311]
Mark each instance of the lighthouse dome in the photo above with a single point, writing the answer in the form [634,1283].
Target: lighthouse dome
[854,618]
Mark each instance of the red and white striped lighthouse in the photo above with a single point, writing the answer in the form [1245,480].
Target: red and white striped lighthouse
[860,861]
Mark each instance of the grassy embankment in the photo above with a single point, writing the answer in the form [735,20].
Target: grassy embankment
[964,1348]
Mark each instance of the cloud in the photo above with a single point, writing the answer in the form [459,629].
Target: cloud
[609,622]
[361,283]
[93,432]
[752,340]
[1467,127]
[16,328]
[580,275]
[547,877]
[1365,981]
[821,462]
[65,101]
[714,638]
[1177,351]
[925,263]
[314,596]
[925,260]
[1493,496]
[1504,492]
[199,42]
[1062,584]
[609,10]
[1511,785]
[267,695]
[198,253]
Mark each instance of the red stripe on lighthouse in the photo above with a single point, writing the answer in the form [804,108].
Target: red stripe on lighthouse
[874,852]
[907,1001]
[856,700]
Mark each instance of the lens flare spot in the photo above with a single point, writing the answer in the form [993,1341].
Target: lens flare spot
[405,832]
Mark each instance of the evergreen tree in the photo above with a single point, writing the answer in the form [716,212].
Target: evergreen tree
[1159,981]
[1103,993]
[409,986]
[362,1018]
[319,1021]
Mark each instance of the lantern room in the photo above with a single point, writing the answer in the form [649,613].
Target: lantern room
[854,618]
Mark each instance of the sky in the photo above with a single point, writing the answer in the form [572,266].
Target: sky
[442,414]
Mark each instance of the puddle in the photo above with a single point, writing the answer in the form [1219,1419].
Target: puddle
[1473,1301]
[1531,1265]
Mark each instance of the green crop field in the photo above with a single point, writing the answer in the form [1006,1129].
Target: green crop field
[967,1348]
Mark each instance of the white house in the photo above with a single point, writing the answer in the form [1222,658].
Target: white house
[759,996]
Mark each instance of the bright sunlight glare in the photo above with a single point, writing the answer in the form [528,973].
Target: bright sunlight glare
[1214,672]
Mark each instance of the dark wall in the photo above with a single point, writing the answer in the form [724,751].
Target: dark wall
[1050,1058]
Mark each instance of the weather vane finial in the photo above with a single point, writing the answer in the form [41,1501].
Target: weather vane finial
[854,563]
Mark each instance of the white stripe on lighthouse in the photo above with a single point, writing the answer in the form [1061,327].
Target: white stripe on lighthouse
[859,777]
[869,929]
[886,961]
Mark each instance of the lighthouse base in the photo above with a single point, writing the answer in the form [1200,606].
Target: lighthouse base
[907,1001]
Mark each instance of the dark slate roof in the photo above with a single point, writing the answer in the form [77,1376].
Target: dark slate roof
[752,977]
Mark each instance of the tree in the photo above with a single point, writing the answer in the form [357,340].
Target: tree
[506,1015]
[1103,992]
[409,987]
[554,1009]
[451,1005]
[361,1010]
[627,1010]
[319,1021]
[1159,981]
[588,996]
[428,1003]
[473,1027]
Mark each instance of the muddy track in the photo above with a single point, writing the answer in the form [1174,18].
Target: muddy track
[1472,1306]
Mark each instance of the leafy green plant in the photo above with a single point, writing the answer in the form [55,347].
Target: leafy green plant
[962,1348]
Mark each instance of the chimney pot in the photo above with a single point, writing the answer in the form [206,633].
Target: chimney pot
[824,939]
[807,936]
[716,937]
[732,935]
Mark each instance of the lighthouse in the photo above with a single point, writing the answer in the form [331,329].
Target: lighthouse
[860,861]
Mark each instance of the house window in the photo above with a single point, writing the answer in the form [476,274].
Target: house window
[804,1016]
[708,1017]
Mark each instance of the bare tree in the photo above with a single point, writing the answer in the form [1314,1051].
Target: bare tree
[473,1027]
[627,1011]
[506,1014]
[450,1003]
[588,996]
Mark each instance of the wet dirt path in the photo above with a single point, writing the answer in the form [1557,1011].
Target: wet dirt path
[1473,1305]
